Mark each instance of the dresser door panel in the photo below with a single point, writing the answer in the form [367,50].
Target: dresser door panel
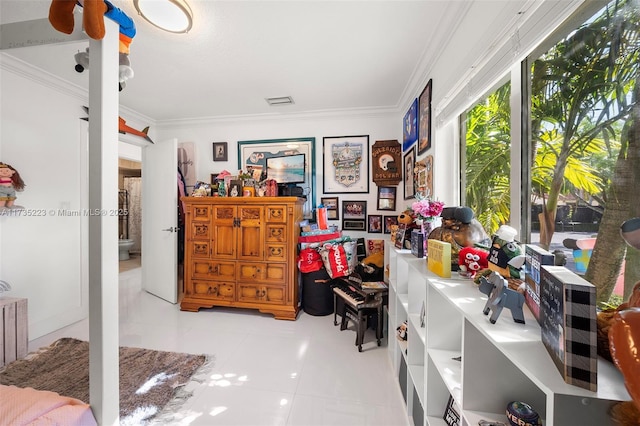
[225,232]
[251,239]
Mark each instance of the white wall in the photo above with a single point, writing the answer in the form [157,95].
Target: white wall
[382,126]
[42,255]
[43,252]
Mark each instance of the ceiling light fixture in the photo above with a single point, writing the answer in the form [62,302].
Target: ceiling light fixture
[174,16]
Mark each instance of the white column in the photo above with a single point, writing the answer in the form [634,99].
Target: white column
[103,227]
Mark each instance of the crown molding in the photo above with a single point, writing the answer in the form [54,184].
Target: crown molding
[37,75]
[335,114]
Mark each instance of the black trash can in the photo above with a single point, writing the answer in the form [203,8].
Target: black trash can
[317,294]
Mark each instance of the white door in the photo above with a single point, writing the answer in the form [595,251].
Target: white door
[160,219]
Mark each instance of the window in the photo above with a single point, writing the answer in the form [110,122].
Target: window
[486,161]
[583,155]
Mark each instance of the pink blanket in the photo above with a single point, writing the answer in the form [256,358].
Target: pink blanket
[27,406]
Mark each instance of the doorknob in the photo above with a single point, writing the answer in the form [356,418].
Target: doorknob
[172,229]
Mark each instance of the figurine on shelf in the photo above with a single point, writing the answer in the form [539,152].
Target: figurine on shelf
[10,182]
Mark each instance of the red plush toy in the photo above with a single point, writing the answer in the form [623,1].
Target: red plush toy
[471,260]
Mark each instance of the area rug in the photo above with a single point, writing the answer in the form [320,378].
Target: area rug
[149,380]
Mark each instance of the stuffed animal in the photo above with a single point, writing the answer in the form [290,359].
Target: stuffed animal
[505,254]
[406,218]
[402,331]
[471,260]
[460,229]
[10,182]
[61,18]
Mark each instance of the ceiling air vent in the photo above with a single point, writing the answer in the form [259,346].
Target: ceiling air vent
[282,100]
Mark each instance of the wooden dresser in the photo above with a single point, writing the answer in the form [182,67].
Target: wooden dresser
[241,252]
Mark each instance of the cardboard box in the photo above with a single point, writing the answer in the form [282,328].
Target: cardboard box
[535,257]
[568,325]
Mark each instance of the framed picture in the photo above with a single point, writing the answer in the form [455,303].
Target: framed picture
[354,210]
[424,176]
[424,119]
[346,164]
[214,178]
[354,225]
[375,224]
[410,126]
[331,203]
[387,197]
[409,162]
[252,157]
[235,188]
[386,160]
[220,151]
[388,222]
[402,230]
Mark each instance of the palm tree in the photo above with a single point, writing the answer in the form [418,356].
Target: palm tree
[488,142]
[583,92]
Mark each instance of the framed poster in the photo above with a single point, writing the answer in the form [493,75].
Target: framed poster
[375,224]
[409,181]
[252,157]
[387,197]
[424,119]
[331,204]
[410,126]
[386,157]
[346,164]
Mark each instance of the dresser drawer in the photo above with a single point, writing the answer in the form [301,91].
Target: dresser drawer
[260,271]
[213,270]
[201,212]
[199,249]
[259,293]
[275,252]
[199,231]
[275,233]
[277,214]
[214,290]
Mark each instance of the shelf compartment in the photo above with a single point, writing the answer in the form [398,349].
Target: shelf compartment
[416,375]
[449,369]
[492,380]
[437,394]
[444,323]
[473,417]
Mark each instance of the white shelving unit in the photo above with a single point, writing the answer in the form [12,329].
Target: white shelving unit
[499,362]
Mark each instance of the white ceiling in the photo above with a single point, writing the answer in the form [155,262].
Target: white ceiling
[328,55]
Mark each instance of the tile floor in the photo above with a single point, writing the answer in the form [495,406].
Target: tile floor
[267,371]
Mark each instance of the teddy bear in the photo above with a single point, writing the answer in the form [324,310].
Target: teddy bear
[94,11]
[407,219]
